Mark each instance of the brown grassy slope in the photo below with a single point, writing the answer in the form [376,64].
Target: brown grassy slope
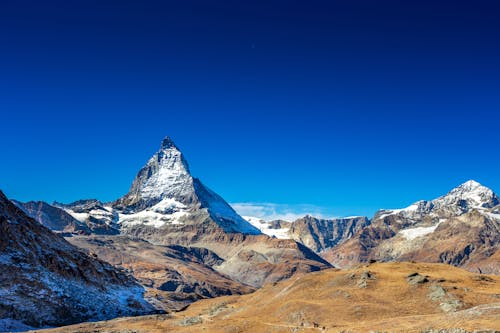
[374,297]
[174,276]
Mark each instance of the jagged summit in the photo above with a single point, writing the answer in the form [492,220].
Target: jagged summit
[470,184]
[165,175]
[166,190]
[467,196]
[461,199]
[472,194]
[168,143]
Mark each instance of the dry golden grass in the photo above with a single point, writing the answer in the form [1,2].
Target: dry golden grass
[338,301]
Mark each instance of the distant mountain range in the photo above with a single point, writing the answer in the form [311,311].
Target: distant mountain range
[171,241]
[461,228]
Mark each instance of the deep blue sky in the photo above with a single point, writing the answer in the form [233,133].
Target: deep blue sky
[349,106]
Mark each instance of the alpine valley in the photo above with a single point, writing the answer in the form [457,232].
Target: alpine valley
[171,241]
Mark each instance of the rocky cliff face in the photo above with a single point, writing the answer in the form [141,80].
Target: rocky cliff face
[44,280]
[459,228]
[322,234]
[54,218]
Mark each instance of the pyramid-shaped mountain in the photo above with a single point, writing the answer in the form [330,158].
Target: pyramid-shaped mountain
[165,193]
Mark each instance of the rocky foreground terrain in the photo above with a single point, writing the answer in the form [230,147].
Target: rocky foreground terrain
[44,280]
[380,297]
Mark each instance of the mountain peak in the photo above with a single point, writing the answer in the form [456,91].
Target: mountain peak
[470,194]
[168,143]
[165,185]
[471,187]
[165,175]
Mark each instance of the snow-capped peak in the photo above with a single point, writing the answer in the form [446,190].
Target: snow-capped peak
[165,179]
[168,173]
[165,175]
[470,194]
[461,199]
[471,185]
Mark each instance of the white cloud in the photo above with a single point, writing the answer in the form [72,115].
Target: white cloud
[272,211]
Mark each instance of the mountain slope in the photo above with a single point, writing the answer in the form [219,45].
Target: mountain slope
[382,297]
[460,228]
[44,280]
[174,276]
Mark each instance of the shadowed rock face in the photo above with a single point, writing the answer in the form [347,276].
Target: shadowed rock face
[54,218]
[321,234]
[461,228]
[44,280]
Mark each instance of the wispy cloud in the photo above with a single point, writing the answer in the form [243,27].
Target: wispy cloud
[272,211]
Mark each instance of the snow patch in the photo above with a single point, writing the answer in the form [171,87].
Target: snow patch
[389,212]
[411,234]
[167,211]
[82,217]
[264,227]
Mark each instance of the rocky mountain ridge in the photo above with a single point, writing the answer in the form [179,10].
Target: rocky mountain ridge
[460,228]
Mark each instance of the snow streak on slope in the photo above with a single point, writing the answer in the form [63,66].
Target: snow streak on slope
[265,228]
[412,233]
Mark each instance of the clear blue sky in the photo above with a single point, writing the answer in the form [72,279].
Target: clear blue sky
[348,106]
